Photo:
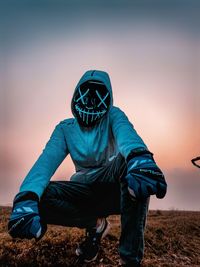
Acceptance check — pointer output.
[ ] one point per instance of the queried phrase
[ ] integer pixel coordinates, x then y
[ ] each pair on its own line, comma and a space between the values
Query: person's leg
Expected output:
133, 219
69, 204
133, 214
80, 204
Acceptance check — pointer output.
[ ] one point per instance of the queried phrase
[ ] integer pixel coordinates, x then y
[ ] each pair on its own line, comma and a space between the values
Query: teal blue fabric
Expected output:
53, 154
89, 147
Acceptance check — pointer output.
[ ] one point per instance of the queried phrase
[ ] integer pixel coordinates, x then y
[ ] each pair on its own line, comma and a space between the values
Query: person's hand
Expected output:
144, 177
24, 221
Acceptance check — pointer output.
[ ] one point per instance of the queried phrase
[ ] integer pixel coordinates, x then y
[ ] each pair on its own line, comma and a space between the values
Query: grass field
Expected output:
172, 238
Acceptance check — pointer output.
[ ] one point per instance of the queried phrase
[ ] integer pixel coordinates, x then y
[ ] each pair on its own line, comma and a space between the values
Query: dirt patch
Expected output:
172, 238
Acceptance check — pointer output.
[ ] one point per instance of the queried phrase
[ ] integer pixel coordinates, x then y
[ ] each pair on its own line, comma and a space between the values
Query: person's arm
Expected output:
144, 178
124, 133
52, 156
25, 221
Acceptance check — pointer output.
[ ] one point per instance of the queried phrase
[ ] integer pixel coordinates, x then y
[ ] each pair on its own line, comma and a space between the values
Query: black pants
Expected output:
88, 196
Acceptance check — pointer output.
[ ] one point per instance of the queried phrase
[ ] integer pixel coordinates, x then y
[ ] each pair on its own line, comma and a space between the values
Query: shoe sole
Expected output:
78, 253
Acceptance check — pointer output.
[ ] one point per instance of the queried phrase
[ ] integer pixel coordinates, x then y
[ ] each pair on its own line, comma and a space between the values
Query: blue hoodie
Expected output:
89, 147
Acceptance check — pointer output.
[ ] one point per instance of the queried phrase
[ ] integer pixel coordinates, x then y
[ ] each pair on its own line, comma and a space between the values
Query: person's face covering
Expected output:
91, 102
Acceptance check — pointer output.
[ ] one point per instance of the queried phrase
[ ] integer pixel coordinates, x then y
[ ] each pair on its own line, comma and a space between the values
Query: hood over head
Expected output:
92, 98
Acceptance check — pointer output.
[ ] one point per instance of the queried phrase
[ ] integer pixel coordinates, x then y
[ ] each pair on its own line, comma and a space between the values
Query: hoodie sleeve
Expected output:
124, 133
51, 157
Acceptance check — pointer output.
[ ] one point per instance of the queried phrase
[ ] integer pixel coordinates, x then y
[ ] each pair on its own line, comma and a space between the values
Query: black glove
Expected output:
24, 221
144, 177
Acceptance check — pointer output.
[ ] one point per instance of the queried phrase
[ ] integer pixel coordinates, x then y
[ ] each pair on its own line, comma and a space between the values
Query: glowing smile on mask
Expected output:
87, 113
91, 104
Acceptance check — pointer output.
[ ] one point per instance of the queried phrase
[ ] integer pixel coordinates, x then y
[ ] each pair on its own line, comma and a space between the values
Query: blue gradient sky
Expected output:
151, 51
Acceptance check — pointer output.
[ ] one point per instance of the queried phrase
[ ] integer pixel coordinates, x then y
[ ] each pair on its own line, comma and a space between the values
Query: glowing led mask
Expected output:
91, 102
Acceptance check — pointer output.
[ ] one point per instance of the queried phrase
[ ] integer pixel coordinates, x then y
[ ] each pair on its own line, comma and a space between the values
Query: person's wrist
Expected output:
138, 152
26, 195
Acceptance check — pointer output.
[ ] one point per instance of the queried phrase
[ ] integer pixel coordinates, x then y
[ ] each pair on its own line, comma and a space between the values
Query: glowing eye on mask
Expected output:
82, 95
102, 101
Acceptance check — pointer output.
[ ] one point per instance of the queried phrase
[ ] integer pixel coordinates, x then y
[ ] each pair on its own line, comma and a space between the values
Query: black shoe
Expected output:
89, 248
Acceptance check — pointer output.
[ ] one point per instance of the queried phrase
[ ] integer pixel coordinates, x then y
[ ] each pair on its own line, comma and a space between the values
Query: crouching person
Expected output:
115, 174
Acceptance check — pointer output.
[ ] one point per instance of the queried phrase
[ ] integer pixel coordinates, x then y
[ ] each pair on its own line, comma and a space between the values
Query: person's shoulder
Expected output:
114, 111
67, 122
117, 115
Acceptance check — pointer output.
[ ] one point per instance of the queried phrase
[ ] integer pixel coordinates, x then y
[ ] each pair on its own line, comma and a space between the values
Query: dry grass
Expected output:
172, 238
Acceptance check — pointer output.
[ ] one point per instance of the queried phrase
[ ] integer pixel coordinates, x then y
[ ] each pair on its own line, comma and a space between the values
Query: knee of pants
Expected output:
128, 205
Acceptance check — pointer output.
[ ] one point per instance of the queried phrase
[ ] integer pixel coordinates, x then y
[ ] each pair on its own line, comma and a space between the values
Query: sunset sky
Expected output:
152, 54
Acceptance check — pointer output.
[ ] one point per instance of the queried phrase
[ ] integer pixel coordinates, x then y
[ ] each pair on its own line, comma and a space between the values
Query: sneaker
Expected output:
89, 248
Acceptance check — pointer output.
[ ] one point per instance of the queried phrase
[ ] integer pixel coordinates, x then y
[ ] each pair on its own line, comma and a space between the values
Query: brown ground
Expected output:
172, 238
